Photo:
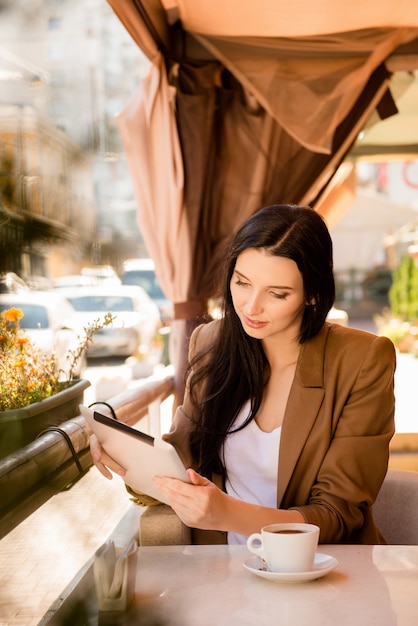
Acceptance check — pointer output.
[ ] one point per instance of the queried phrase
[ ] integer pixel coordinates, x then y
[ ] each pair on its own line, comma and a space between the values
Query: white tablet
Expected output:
142, 456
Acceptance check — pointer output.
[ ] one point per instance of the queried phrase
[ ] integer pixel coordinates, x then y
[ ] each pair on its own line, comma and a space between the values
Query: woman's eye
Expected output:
279, 296
240, 282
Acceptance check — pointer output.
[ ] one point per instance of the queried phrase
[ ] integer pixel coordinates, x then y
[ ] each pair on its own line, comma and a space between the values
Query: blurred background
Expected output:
66, 196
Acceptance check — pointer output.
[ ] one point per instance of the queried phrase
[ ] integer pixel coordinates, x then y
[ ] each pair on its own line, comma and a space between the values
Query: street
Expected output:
110, 376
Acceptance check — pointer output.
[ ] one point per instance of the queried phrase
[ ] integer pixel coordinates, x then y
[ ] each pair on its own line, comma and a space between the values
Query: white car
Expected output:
141, 272
12, 283
72, 280
101, 275
136, 324
48, 320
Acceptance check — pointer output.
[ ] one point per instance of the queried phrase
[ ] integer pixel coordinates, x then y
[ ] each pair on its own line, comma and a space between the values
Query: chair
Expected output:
160, 526
396, 507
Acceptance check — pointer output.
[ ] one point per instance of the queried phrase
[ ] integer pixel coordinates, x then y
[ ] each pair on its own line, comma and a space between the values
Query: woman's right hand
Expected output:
103, 461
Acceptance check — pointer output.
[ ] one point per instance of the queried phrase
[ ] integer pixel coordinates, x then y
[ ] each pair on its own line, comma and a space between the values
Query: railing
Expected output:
61, 456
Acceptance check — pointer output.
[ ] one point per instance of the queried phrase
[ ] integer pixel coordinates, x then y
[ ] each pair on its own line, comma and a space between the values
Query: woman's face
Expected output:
268, 295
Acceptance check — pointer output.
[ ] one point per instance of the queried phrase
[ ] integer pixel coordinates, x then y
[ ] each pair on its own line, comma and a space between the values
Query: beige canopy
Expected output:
248, 103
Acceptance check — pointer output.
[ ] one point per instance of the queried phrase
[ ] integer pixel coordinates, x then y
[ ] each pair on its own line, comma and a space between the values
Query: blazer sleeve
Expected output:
347, 451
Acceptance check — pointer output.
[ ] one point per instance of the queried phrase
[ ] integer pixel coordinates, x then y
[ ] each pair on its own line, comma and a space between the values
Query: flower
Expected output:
27, 374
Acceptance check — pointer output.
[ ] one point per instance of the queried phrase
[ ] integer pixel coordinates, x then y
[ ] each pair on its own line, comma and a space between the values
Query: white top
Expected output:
251, 458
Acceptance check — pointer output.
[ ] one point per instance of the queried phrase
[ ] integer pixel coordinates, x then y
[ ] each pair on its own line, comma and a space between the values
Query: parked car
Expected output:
72, 280
137, 318
101, 275
38, 283
49, 322
141, 272
12, 283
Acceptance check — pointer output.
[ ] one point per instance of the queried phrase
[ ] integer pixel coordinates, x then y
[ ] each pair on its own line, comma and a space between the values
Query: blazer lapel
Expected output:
305, 399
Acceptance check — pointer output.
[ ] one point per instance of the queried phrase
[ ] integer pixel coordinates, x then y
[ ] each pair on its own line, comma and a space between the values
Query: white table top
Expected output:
209, 586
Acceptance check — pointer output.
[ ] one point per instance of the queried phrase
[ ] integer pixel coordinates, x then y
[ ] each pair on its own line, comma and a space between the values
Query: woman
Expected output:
286, 417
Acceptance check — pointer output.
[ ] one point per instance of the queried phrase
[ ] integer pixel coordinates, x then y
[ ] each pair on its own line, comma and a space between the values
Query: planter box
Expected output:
19, 427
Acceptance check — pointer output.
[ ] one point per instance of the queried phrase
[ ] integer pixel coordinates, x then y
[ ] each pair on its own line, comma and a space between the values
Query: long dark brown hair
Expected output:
235, 368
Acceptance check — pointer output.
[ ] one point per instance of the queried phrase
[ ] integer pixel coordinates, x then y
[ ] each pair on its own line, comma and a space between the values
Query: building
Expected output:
69, 65
45, 194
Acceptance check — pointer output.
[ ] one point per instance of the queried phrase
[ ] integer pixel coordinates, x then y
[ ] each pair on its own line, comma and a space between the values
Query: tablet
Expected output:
142, 456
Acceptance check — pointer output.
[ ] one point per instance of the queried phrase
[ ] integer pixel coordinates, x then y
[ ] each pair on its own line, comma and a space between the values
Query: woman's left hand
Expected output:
199, 504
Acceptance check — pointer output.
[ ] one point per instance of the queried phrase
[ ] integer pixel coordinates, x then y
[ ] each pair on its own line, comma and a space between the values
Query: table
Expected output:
208, 586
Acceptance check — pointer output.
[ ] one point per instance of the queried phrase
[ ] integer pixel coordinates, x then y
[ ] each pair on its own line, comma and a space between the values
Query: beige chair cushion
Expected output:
396, 507
160, 526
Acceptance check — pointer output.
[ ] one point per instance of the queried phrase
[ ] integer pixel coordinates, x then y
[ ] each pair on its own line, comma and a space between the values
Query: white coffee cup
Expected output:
286, 547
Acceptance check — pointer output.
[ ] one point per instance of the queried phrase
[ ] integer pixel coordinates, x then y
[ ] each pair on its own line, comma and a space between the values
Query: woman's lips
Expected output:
254, 323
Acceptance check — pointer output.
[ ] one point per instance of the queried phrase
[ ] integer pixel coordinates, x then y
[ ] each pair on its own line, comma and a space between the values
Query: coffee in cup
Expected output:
286, 547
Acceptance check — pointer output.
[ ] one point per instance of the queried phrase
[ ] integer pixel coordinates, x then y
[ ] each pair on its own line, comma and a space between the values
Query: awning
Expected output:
248, 103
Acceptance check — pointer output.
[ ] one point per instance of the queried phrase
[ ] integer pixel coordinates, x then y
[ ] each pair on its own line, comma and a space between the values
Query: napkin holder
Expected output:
114, 575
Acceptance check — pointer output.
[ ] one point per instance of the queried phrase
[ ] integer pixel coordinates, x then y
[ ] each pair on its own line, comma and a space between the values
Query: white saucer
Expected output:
323, 565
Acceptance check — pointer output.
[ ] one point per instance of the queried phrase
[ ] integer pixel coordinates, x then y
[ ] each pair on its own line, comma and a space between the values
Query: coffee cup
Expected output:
286, 547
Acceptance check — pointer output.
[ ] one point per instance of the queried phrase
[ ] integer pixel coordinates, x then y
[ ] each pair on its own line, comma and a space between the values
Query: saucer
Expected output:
323, 565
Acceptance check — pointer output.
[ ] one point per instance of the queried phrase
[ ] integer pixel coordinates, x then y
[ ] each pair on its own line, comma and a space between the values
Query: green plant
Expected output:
28, 375
403, 293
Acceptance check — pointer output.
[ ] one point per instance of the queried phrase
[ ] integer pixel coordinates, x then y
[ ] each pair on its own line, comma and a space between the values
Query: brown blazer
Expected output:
334, 446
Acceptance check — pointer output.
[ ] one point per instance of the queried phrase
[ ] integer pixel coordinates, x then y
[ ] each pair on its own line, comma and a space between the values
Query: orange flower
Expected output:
26, 373
20, 341
12, 315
